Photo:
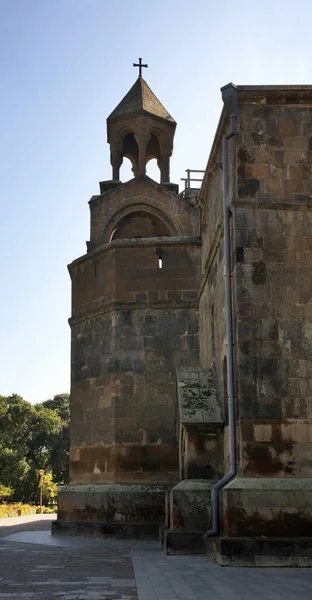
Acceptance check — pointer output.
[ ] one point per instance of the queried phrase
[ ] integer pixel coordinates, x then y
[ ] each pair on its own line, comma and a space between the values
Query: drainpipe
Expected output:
229, 97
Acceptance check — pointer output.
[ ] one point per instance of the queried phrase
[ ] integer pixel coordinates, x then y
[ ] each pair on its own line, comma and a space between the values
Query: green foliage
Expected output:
59, 454
18, 509
60, 404
5, 492
49, 489
33, 437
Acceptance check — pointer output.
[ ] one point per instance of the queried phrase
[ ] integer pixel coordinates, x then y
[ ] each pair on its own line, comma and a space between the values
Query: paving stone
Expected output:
84, 569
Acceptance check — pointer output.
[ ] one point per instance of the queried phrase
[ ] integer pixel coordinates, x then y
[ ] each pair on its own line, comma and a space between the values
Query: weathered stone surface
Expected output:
189, 516
133, 324
271, 228
184, 542
197, 395
268, 506
134, 320
261, 552
190, 505
115, 509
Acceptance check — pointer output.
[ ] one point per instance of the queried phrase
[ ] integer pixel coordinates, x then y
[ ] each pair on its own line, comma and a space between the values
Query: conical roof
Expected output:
140, 98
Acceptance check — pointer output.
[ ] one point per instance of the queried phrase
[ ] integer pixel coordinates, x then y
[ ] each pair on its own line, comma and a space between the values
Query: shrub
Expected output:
5, 492
17, 508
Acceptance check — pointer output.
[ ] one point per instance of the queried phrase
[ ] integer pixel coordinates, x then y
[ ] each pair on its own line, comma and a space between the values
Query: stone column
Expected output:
142, 138
164, 167
135, 168
116, 162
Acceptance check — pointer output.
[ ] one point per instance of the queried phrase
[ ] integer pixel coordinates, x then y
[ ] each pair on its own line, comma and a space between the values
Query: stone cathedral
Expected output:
191, 338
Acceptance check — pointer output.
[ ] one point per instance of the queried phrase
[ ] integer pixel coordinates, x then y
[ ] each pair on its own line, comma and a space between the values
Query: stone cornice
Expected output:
143, 180
93, 313
214, 155
275, 94
136, 243
268, 201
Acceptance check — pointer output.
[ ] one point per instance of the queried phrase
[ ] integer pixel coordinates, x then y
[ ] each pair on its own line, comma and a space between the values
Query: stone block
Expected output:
259, 171
285, 127
267, 506
111, 508
296, 142
105, 530
184, 542
260, 552
198, 402
190, 505
276, 186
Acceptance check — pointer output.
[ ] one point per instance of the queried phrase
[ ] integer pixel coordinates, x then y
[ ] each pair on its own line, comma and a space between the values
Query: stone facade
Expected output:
134, 321
270, 203
149, 424
132, 324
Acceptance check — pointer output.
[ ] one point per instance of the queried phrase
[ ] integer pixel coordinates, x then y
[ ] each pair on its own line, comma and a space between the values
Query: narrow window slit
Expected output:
160, 262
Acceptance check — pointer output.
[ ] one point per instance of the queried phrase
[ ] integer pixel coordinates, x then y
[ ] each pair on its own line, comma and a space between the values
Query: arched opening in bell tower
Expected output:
139, 224
126, 170
153, 148
130, 150
152, 170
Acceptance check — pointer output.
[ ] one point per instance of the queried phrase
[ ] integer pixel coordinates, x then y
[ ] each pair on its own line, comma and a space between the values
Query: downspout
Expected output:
229, 97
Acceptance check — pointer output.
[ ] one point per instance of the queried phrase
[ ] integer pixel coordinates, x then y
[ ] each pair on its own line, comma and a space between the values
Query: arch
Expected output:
152, 169
140, 144
158, 220
140, 224
122, 133
130, 150
164, 140
126, 170
153, 148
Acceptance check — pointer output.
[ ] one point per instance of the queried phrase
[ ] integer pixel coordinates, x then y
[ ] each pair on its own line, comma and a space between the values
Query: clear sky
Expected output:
64, 66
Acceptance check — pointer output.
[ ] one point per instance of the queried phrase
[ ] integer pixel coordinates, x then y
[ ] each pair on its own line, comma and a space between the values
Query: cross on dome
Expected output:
140, 65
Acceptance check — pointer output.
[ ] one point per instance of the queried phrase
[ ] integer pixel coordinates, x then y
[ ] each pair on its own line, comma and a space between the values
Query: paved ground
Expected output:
34, 565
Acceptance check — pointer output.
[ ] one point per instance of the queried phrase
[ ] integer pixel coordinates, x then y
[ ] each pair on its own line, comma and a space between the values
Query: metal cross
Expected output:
140, 66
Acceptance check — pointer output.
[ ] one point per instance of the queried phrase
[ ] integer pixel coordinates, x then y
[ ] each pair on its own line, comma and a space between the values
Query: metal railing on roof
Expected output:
188, 179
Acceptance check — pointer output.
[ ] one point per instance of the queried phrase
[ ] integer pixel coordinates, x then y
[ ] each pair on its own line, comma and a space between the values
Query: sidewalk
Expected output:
13, 521
36, 566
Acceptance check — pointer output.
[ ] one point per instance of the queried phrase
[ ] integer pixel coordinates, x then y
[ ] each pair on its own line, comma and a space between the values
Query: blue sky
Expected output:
64, 66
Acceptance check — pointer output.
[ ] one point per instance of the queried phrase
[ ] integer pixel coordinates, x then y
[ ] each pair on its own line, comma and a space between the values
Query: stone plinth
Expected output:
189, 517
261, 551
123, 510
266, 522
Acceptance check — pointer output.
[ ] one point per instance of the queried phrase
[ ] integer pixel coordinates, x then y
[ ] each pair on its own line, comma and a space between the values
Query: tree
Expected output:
49, 489
15, 427
33, 438
59, 462
60, 404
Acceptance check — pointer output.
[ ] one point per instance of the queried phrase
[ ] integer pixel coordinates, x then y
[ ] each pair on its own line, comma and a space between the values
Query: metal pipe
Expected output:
229, 96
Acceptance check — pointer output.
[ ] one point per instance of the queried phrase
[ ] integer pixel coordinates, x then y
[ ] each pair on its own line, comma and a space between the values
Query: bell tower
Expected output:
140, 128
134, 321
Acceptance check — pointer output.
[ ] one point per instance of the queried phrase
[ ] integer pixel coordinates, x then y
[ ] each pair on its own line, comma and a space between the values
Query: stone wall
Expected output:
270, 162
132, 324
211, 302
108, 209
212, 292
273, 287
